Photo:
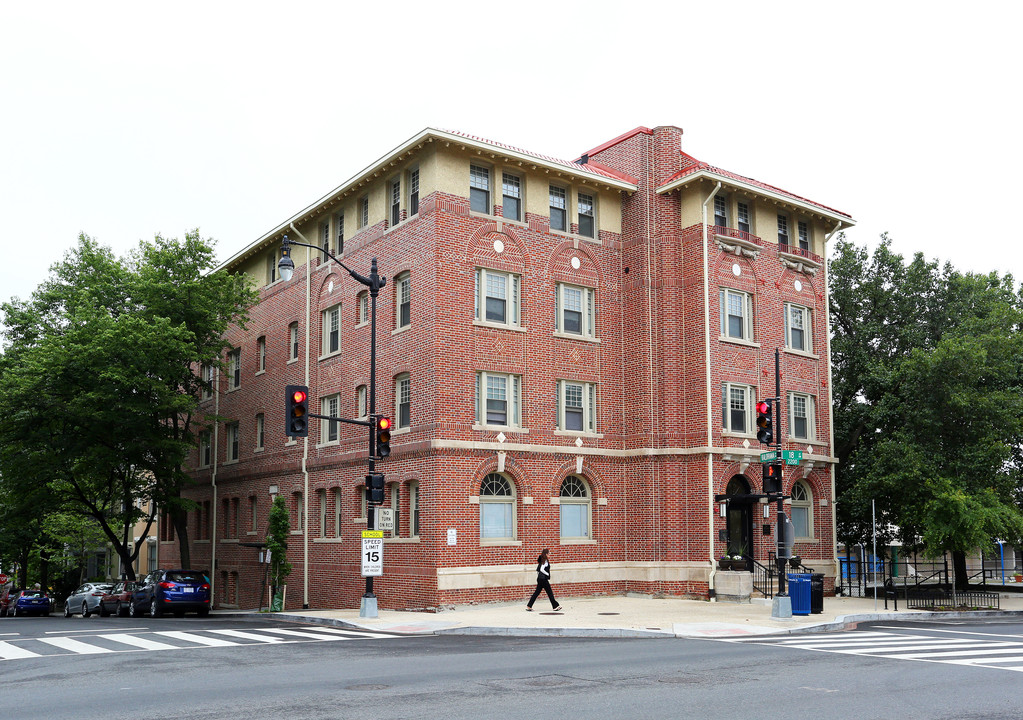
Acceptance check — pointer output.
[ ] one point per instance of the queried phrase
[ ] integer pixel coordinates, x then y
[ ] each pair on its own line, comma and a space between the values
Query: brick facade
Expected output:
651, 378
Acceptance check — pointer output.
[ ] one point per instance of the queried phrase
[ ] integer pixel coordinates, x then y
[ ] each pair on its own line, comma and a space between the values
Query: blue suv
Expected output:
171, 591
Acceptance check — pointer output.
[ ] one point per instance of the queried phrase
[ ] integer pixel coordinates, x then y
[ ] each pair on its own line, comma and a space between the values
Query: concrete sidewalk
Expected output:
635, 616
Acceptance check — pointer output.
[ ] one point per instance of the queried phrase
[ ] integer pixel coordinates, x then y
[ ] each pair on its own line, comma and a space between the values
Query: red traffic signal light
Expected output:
383, 437
765, 423
296, 410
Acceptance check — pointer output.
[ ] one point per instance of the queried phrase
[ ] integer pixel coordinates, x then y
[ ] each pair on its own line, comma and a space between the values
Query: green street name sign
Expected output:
768, 456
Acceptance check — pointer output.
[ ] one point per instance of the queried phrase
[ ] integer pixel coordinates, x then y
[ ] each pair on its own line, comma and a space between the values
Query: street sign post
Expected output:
372, 553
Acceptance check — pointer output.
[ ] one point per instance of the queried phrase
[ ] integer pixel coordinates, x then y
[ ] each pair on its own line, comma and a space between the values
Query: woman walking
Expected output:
543, 582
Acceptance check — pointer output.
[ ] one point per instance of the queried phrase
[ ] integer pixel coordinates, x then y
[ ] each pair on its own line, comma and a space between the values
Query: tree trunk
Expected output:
44, 569
180, 520
962, 580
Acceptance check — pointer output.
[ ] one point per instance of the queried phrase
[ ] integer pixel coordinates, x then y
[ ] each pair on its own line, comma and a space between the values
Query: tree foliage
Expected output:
100, 387
277, 541
928, 374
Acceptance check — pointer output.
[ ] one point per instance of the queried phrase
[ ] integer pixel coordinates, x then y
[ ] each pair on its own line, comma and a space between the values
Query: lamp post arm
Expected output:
374, 282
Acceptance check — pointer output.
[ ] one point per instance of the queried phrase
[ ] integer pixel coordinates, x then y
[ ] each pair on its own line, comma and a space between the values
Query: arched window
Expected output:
802, 510
497, 508
575, 508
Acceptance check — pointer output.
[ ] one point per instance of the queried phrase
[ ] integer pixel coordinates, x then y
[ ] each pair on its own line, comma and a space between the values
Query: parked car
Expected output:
85, 600
173, 591
6, 596
29, 602
116, 600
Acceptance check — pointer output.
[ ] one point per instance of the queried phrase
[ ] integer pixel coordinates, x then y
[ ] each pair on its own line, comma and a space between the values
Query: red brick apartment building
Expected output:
571, 352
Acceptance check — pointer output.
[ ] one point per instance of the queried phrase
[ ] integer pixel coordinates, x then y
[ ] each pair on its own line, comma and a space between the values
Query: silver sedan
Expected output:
85, 600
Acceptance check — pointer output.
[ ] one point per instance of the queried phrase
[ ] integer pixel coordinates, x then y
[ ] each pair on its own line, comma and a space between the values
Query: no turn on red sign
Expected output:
3, 579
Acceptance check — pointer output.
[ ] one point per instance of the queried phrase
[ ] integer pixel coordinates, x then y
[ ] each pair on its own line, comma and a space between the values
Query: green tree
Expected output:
100, 379
277, 543
928, 404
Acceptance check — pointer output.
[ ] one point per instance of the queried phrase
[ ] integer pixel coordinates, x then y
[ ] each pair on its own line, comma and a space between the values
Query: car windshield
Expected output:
186, 576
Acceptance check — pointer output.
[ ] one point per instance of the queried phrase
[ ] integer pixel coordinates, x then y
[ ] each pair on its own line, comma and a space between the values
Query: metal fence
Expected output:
860, 572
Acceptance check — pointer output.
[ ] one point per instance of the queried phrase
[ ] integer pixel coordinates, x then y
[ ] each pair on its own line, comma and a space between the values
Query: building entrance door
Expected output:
740, 517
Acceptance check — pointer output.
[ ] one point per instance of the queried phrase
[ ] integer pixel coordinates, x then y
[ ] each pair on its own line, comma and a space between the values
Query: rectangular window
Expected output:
231, 432
587, 224
339, 247
403, 402
497, 297
413, 506
736, 314
271, 268
363, 312
720, 211
403, 298
577, 406
497, 399
260, 429
261, 353
205, 449
234, 368
332, 330
497, 520
737, 408
363, 212
801, 416
783, 230
293, 341
511, 202
797, 328
744, 217
479, 189
362, 400
207, 373
321, 500
299, 507
329, 405
804, 235
559, 214
395, 202
325, 240
337, 512
413, 192
575, 312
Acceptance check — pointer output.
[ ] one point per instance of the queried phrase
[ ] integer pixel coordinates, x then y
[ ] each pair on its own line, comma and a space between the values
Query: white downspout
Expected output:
216, 499
710, 412
305, 440
831, 399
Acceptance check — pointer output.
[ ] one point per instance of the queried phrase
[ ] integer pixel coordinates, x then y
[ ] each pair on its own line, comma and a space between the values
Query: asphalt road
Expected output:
252, 667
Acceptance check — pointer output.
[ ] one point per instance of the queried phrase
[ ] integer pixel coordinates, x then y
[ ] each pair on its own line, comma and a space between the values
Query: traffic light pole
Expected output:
780, 538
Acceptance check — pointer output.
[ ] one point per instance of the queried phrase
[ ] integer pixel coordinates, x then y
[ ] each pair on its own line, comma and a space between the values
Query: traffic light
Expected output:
772, 479
375, 483
383, 437
296, 413
765, 423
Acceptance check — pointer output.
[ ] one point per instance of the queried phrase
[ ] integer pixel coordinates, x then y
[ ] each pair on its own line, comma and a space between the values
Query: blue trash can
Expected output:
799, 592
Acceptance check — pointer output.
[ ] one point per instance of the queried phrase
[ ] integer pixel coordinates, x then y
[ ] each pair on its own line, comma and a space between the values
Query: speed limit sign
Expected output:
372, 553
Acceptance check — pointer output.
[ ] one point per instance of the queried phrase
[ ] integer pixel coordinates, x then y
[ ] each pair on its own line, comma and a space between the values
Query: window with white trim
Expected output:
231, 441
205, 449
801, 510
744, 217
403, 401
804, 235
293, 341
783, 230
330, 405
339, 242
577, 406
797, 328
234, 368
337, 512
208, 373
362, 303
498, 399
574, 509
260, 430
271, 267
497, 508
395, 201
261, 353
298, 512
721, 210
497, 297
736, 314
413, 191
403, 300
363, 212
362, 401
558, 208
587, 210
332, 329
511, 200
413, 508
325, 240
801, 412
575, 310
321, 502
737, 402
479, 189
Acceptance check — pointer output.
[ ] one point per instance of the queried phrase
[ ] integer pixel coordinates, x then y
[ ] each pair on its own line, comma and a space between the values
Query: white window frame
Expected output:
792, 311
325, 240
802, 501
804, 235
331, 328
745, 300
511, 187
234, 369
744, 216
412, 183
784, 238
362, 401
205, 449
339, 241
208, 373
364, 212
479, 187
734, 391
293, 349
588, 311
403, 300
261, 354
402, 399
801, 406
721, 210
506, 502
511, 286
581, 395
232, 437
557, 199
338, 495
330, 430
592, 214
572, 501
362, 313
260, 430
394, 201
512, 390
413, 509
321, 499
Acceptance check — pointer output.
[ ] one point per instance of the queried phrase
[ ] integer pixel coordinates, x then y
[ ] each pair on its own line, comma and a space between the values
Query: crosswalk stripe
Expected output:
139, 642
953, 653
10, 652
198, 639
880, 643
248, 636
355, 633
303, 633
75, 646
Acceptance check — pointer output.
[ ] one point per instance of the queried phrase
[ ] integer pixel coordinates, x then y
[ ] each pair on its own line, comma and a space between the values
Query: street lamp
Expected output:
374, 282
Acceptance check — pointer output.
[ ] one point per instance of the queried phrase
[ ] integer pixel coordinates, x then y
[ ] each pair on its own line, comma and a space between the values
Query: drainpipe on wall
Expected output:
710, 413
831, 399
213, 508
305, 440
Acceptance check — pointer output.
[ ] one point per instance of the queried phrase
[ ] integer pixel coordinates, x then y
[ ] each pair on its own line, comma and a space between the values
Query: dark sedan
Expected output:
29, 602
171, 591
117, 599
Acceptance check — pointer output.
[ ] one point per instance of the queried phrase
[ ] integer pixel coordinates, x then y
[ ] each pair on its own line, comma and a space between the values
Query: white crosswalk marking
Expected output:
303, 633
75, 646
904, 646
248, 636
197, 639
139, 642
10, 652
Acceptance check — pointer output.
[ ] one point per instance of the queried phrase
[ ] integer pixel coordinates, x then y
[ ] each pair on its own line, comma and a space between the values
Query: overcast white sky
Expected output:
127, 119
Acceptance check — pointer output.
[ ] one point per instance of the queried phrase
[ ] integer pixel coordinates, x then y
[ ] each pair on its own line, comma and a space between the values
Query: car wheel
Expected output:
85, 609
132, 612
102, 610
154, 608
15, 611
121, 610
67, 610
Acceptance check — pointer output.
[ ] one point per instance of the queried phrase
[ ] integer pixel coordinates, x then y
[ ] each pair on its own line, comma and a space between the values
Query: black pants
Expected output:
545, 585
